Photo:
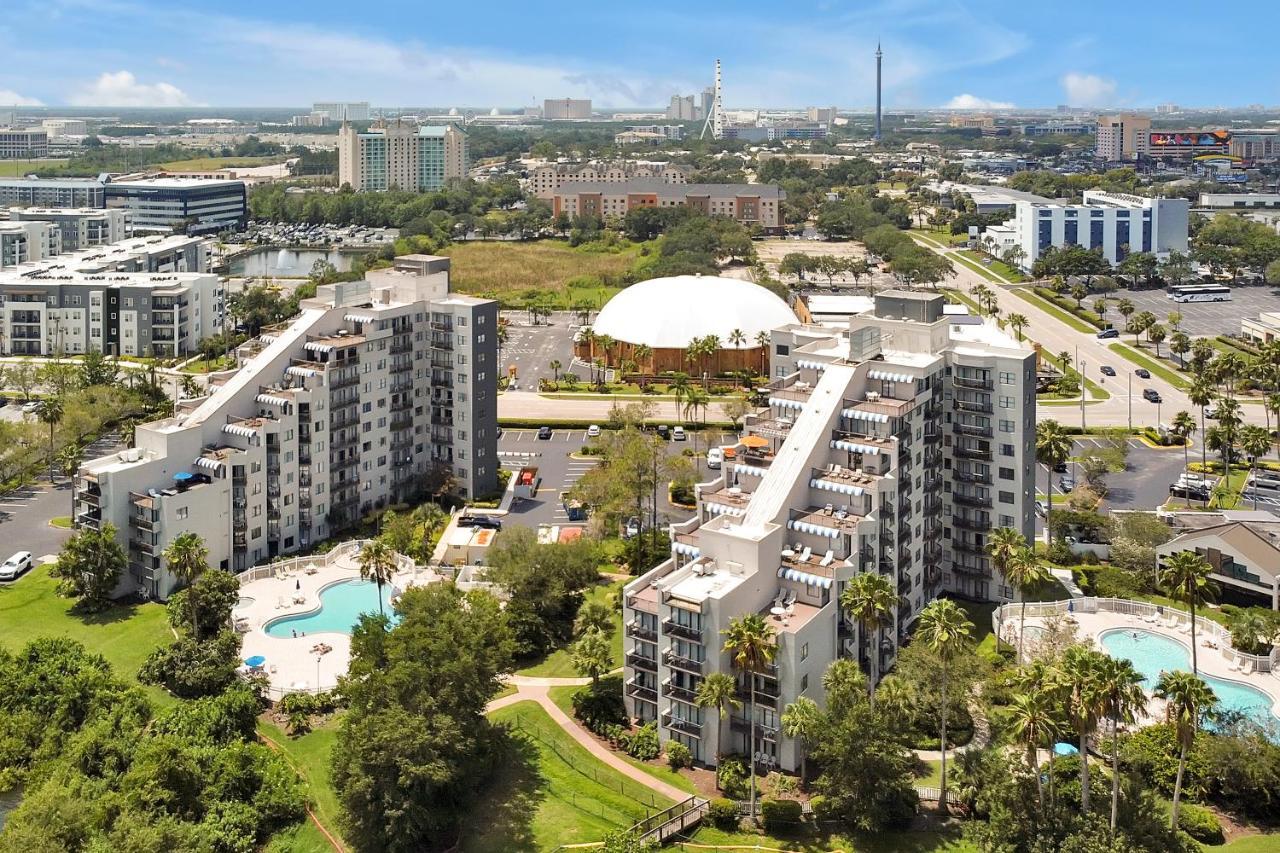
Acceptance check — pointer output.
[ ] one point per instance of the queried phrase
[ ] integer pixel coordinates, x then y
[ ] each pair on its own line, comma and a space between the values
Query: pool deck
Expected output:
292, 664
1210, 660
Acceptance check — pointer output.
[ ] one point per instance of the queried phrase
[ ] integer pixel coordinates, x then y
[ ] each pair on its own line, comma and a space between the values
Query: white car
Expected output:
593, 431
715, 458
31, 408
677, 434
15, 566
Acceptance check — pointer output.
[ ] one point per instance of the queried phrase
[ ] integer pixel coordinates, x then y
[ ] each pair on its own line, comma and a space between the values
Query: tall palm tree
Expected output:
945, 630
1201, 394
1188, 697
679, 386
1080, 670
1053, 447
377, 563
1184, 426
718, 690
696, 402
50, 412
1040, 676
1120, 687
803, 721
594, 614
1003, 543
751, 643
762, 341
871, 599
1018, 322
1024, 572
737, 338
186, 559
1186, 577
1034, 723
555, 366
1255, 441
643, 353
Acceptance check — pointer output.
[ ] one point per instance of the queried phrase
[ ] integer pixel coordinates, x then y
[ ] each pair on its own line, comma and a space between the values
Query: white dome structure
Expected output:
667, 313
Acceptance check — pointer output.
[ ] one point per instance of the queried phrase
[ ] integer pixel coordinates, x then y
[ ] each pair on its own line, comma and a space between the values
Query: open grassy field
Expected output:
1157, 367
309, 754
811, 842
1049, 308
208, 164
551, 791
18, 168
124, 635
1000, 268
557, 664
513, 272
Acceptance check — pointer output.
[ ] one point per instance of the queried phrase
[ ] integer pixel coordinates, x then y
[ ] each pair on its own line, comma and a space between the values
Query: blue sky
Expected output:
632, 54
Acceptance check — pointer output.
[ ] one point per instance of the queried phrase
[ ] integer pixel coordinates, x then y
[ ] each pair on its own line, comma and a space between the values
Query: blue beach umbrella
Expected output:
256, 660
1061, 748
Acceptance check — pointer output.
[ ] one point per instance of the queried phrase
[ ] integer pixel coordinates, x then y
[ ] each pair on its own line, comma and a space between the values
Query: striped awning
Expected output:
838, 488
266, 338
786, 403
236, 429
806, 578
316, 346
859, 414
721, 509
888, 376
686, 550
805, 363
301, 371
359, 318
853, 446
815, 529
273, 400
750, 470
208, 464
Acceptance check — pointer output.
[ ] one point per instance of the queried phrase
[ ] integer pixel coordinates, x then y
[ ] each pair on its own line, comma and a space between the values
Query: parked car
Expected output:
1189, 490
1041, 509
1151, 395
1066, 484
1142, 372
1060, 468
664, 431
593, 431
544, 433
631, 529
677, 434
715, 458
31, 408
1108, 370
492, 522
15, 566
1108, 333
1211, 413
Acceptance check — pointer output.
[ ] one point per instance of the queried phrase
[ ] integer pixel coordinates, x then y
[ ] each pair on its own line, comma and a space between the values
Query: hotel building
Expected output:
401, 155
545, 180
186, 205
1118, 224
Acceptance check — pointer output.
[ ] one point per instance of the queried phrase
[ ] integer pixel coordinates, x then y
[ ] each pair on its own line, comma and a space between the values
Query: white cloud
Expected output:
973, 102
1088, 90
122, 89
10, 98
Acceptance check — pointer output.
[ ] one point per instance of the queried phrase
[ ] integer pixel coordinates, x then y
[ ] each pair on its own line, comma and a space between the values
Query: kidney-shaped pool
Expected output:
341, 606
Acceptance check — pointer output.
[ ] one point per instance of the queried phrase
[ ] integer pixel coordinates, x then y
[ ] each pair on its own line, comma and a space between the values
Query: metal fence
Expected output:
289, 565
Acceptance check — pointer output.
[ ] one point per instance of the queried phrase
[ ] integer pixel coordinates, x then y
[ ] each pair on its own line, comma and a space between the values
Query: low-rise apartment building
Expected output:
377, 391
895, 447
1242, 547
81, 228
52, 192
545, 180
28, 242
750, 204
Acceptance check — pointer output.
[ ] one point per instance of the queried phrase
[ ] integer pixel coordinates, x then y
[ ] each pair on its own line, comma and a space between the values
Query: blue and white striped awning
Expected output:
686, 550
786, 403
889, 376
750, 470
853, 446
236, 429
806, 364
265, 338
838, 488
359, 318
208, 464
863, 415
804, 577
273, 400
295, 370
815, 529
316, 346
721, 509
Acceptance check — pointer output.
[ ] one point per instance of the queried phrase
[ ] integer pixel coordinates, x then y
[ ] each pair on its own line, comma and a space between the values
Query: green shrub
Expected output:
1200, 823
821, 808
731, 777
678, 755
644, 743
598, 709
780, 815
723, 814
1152, 753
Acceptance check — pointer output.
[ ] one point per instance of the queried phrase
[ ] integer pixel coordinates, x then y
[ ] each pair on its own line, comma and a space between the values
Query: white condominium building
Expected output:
28, 242
896, 448
82, 228
378, 390
1118, 224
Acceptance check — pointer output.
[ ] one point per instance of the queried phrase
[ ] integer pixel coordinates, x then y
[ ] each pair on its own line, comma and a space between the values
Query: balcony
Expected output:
973, 429
672, 659
640, 691
741, 724
675, 691
972, 382
684, 632
971, 571
640, 632
969, 451
966, 522
974, 406
968, 546
965, 499
638, 662
683, 726
972, 477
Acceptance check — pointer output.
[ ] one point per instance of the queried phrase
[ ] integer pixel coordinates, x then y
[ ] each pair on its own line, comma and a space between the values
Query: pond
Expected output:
287, 263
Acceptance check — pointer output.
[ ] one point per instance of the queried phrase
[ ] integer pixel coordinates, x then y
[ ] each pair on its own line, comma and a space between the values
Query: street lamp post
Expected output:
1129, 396
317, 673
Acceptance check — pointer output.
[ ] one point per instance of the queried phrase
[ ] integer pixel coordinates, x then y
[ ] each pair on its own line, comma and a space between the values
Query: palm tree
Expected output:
751, 643
1080, 670
762, 341
50, 412
1188, 697
377, 563
737, 338
185, 559
1184, 426
643, 353
1201, 394
606, 343
595, 615
1255, 441
69, 464
1126, 308
1034, 724
1053, 447
1024, 572
1186, 577
591, 655
1123, 699
1002, 544
679, 387
945, 630
803, 721
871, 599
1018, 322
718, 690
555, 366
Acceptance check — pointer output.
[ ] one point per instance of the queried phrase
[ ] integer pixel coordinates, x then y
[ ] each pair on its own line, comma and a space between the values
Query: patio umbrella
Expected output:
755, 441
1061, 748
256, 660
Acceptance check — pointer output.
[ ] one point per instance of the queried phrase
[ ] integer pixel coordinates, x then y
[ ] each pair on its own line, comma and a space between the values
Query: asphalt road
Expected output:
531, 349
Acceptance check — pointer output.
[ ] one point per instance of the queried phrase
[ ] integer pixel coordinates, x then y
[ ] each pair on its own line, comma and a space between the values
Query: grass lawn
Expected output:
972, 260
1158, 368
18, 168
512, 272
995, 265
980, 615
933, 778
63, 522
550, 791
812, 842
1049, 308
1096, 391
1251, 844
557, 664
964, 299
942, 238
309, 754
225, 362
209, 164
300, 838
124, 635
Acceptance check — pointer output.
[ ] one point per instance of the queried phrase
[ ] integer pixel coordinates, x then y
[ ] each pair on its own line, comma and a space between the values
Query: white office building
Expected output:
893, 447
1116, 223
374, 388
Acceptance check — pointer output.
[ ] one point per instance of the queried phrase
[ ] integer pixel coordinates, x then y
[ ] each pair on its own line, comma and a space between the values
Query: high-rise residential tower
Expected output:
401, 155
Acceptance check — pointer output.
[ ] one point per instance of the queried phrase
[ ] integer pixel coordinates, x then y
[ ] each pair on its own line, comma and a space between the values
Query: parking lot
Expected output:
1200, 318
531, 349
1144, 483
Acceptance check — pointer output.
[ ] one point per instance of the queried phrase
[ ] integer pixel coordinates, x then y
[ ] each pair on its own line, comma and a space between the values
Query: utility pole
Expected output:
1129, 395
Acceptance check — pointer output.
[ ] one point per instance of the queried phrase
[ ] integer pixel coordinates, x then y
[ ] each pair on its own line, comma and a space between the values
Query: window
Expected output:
1007, 378
804, 682
183, 512
1006, 521
804, 651
1006, 402
783, 349
1006, 426
1006, 473
1006, 450
1006, 497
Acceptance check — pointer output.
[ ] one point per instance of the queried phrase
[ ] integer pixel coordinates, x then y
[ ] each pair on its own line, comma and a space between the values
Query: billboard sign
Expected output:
1189, 139
1232, 179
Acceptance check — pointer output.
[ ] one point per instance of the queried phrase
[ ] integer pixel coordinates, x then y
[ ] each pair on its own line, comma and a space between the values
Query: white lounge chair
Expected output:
827, 558
1234, 666
1171, 622
806, 554
1248, 668
791, 598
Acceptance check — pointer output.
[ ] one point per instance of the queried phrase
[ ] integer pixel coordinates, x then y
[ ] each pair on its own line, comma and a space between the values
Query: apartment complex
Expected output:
340, 111
27, 242
187, 205
545, 180
895, 447
401, 155
23, 143
79, 227
750, 204
562, 109
691, 107
377, 390
1120, 136
1117, 223
53, 192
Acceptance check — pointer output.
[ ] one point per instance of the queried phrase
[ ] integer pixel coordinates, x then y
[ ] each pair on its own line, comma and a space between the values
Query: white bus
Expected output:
1200, 293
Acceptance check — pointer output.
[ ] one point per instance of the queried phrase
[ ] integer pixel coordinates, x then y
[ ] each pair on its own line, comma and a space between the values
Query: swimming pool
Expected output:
1152, 654
341, 606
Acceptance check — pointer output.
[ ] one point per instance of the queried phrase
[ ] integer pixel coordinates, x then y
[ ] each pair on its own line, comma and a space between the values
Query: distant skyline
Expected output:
965, 55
